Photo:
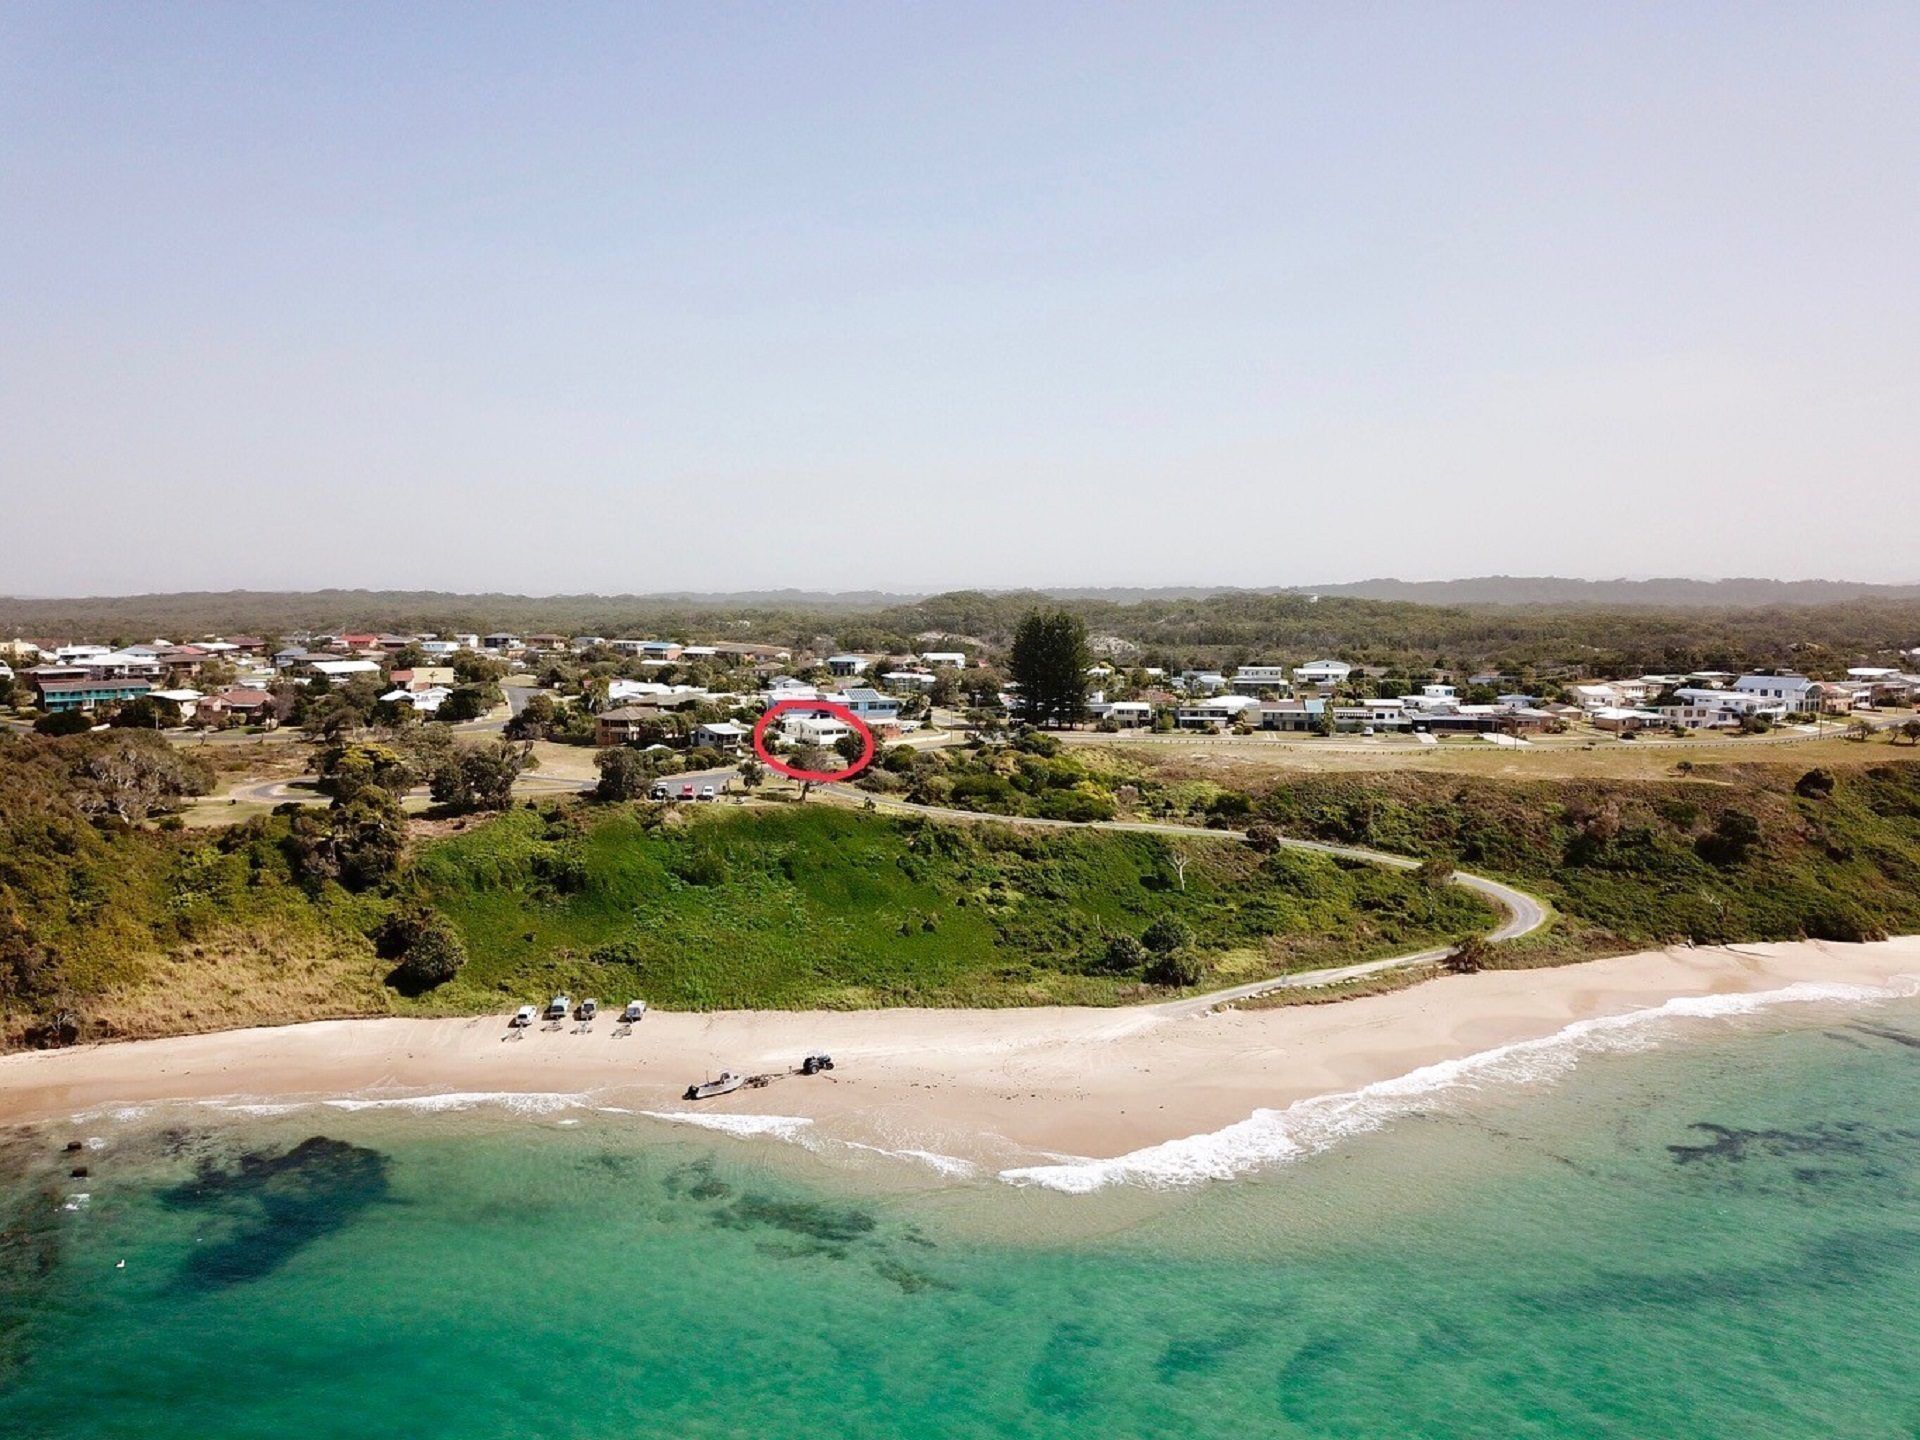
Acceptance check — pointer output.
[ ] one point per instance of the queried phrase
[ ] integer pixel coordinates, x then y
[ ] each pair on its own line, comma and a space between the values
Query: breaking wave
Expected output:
1270, 1137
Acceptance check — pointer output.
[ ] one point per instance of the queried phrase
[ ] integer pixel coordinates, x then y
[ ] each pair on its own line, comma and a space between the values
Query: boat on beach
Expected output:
707, 1089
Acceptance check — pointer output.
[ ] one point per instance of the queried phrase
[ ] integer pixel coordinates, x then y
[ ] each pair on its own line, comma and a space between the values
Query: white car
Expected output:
523, 1016
707, 792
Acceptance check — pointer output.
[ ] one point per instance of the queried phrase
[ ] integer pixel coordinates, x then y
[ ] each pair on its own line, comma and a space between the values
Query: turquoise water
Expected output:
1718, 1236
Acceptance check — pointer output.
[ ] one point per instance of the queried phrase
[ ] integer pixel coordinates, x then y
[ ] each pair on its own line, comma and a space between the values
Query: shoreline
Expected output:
1074, 1086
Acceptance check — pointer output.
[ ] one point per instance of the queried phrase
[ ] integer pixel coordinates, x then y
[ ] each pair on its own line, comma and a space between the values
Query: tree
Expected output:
468, 702
536, 720
144, 713
129, 775
1468, 957
753, 774
1860, 731
1910, 732
62, 722
478, 778
349, 767
1049, 663
624, 774
850, 748
358, 841
424, 941
811, 757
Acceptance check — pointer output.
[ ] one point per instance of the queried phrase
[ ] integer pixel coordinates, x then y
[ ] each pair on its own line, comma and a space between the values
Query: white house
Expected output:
1701, 708
1322, 672
1128, 714
870, 705
1252, 679
1216, 712
822, 730
341, 669
954, 658
909, 679
845, 665
1799, 694
1202, 682
720, 735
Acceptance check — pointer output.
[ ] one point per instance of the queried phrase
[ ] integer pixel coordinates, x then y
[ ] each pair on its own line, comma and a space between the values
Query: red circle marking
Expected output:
794, 772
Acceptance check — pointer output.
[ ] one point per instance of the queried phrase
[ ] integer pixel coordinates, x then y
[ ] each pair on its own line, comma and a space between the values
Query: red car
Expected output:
686, 792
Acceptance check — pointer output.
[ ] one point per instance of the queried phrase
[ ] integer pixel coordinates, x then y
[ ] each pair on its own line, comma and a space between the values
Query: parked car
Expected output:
589, 1008
707, 792
523, 1016
659, 791
635, 1010
686, 792
558, 1007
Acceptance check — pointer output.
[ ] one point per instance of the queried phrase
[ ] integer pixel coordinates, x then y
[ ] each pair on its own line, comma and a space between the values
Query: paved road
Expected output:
1525, 913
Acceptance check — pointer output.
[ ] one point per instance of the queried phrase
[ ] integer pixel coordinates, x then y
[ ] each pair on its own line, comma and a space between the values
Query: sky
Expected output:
623, 298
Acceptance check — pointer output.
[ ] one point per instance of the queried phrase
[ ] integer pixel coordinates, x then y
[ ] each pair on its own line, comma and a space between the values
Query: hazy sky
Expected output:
570, 297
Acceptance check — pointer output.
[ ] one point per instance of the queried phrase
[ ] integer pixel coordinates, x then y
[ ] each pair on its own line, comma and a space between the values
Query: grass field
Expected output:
791, 906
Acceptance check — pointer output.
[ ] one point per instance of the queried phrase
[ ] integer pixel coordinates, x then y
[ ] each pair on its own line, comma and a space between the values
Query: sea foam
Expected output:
514, 1101
1270, 1137
777, 1127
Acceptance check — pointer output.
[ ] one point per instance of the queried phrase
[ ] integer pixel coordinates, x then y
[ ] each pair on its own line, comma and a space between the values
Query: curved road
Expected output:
1525, 913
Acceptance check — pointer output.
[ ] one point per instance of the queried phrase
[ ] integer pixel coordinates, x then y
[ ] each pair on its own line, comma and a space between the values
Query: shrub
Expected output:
62, 722
1176, 968
1814, 785
1469, 957
1167, 935
1124, 954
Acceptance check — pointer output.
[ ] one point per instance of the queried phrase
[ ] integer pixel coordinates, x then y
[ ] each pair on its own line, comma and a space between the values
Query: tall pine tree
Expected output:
1049, 662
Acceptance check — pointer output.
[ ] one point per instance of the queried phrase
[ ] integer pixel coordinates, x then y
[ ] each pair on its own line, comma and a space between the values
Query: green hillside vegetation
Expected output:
813, 906
112, 925
1733, 852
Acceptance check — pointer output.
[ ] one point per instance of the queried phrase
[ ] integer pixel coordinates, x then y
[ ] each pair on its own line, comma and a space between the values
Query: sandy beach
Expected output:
1076, 1082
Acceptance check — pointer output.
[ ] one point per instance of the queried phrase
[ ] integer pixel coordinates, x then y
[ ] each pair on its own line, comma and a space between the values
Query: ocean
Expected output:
1703, 1222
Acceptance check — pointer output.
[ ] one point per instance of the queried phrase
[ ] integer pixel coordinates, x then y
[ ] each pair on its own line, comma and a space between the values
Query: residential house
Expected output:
951, 659
1127, 714
338, 669
822, 730
1216, 712
870, 705
1323, 673
184, 702
843, 666
909, 679
1622, 720
627, 724
1701, 708
721, 735
1258, 679
425, 677
1796, 692
84, 694
241, 701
